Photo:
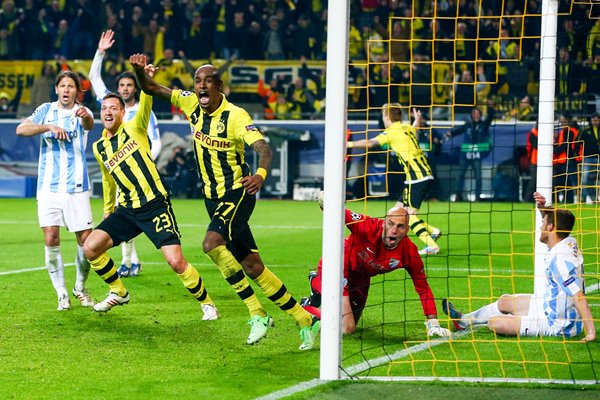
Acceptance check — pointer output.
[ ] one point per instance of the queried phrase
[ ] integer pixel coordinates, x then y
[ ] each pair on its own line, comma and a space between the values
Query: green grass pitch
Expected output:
158, 347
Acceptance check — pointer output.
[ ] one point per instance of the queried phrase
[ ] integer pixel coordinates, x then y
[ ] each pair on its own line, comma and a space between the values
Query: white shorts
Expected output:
536, 322
71, 210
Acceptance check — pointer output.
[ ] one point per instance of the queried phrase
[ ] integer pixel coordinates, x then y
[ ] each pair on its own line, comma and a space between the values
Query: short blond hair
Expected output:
393, 111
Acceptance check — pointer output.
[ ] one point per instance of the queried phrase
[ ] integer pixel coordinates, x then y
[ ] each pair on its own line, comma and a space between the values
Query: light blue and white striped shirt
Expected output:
564, 279
62, 164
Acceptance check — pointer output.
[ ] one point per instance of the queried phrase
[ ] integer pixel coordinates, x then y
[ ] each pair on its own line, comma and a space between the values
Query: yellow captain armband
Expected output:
262, 172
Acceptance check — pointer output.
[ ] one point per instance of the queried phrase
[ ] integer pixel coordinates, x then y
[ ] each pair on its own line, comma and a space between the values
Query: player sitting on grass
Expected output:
562, 310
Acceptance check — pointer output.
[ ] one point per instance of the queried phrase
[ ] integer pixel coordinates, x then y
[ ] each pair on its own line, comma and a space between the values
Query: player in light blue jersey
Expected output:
562, 310
128, 89
63, 189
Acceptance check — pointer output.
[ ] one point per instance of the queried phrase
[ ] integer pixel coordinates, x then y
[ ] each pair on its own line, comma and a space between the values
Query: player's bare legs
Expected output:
191, 279
515, 304
513, 307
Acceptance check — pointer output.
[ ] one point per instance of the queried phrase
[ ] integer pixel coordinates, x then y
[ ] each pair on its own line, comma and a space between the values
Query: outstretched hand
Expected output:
106, 41
150, 70
434, 329
416, 113
138, 61
540, 200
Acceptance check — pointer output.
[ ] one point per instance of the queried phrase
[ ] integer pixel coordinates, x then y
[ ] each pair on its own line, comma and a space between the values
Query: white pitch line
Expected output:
591, 288
358, 368
187, 225
588, 289
366, 365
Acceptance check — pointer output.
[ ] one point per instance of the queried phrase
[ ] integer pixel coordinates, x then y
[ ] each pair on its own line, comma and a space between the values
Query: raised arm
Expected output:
417, 117
363, 143
148, 84
540, 200
105, 43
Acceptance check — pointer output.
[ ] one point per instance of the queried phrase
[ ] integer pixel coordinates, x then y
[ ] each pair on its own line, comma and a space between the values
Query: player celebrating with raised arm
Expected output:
63, 189
123, 153
128, 89
375, 247
402, 139
220, 131
562, 310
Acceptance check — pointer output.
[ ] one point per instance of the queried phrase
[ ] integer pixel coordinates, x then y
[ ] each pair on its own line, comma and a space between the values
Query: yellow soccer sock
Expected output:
105, 268
419, 227
193, 282
430, 228
234, 275
276, 291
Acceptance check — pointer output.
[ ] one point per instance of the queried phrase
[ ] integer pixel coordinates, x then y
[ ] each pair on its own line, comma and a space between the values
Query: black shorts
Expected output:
229, 217
155, 219
414, 193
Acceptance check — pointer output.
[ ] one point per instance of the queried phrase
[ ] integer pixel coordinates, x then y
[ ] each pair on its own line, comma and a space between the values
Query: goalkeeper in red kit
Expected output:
376, 246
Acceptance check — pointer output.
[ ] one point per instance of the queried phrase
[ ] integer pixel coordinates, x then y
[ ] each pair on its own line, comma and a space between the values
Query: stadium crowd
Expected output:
498, 56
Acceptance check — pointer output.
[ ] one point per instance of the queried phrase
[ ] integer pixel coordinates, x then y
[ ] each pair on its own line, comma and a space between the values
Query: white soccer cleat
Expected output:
110, 301
425, 251
64, 303
210, 312
84, 297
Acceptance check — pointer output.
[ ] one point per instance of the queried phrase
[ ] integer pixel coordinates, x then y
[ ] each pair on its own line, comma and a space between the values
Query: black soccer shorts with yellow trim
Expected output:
414, 193
155, 219
229, 218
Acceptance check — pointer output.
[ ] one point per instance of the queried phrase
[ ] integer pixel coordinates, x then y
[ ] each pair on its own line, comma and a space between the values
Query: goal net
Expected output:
452, 60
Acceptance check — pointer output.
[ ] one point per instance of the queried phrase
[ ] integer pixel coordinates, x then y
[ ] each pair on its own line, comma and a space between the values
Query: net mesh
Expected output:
445, 61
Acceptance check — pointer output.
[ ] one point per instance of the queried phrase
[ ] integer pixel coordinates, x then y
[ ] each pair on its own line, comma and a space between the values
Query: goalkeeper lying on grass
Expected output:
376, 246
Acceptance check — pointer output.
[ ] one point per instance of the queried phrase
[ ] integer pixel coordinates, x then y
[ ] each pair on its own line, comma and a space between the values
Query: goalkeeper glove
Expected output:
434, 328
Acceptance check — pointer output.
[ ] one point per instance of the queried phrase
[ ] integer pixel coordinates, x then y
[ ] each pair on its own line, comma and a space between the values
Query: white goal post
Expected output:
334, 189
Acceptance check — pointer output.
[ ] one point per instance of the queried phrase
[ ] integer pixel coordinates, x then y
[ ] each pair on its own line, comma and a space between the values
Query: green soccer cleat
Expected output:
309, 334
258, 328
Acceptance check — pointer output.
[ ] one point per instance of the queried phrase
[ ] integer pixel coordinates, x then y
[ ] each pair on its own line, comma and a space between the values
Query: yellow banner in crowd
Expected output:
13, 74
242, 76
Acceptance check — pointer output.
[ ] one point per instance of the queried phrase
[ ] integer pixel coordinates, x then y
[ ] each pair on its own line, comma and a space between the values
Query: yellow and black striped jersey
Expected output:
218, 142
125, 161
402, 138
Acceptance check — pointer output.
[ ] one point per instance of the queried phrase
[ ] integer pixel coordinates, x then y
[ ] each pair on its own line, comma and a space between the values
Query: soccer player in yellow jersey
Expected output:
126, 162
402, 139
220, 131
